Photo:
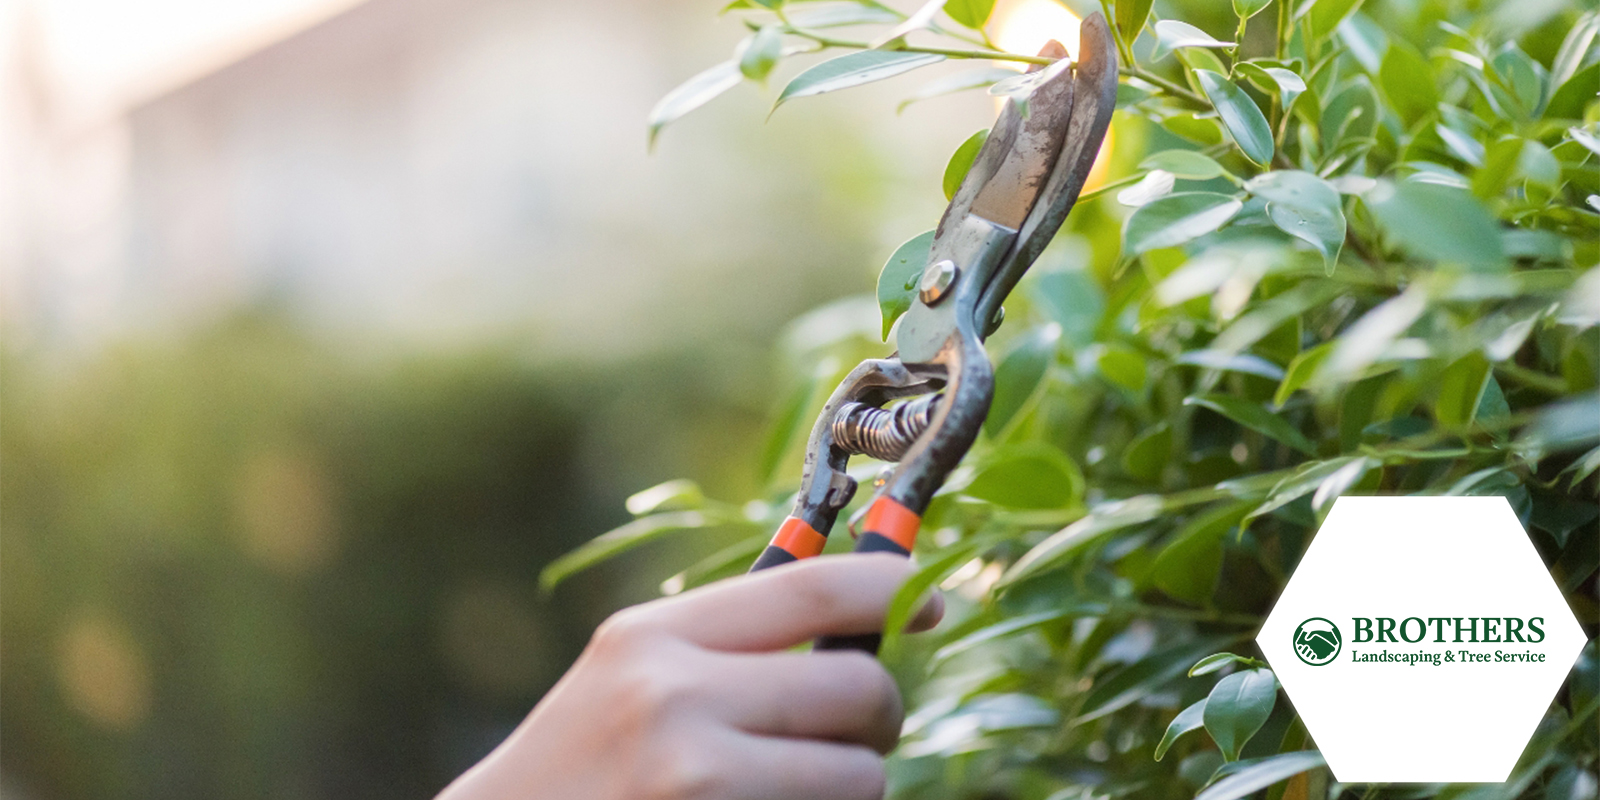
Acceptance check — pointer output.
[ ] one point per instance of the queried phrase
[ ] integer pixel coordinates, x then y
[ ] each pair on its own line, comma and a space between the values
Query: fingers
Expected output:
841, 696
799, 769
778, 608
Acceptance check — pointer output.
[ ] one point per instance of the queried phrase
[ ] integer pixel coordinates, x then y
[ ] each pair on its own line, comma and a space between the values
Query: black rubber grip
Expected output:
865, 642
772, 557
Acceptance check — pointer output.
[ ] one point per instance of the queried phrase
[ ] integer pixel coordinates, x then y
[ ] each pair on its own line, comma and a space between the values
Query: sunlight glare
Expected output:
1024, 26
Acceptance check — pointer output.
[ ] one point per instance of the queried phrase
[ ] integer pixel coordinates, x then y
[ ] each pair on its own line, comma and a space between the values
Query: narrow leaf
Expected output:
1174, 35
1187, 720
1240, 115
973, 14
961, 162
1255, 417
853, 69
1157, 183
1175, 219
1028, 475
1186, 164
1249, 8
759, 52
674, 495
958, 82
615, 542
1325, 15
1216, 661
692, 94
1131, 16
1250, 777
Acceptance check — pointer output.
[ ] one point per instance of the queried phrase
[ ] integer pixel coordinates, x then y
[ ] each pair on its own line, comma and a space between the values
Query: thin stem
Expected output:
1165, 85
992, 55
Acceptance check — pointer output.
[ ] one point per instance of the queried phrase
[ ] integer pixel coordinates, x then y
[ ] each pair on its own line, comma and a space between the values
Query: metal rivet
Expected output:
937, 280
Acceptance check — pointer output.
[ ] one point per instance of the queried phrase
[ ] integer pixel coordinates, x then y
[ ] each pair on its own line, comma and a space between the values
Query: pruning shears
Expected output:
1021, 185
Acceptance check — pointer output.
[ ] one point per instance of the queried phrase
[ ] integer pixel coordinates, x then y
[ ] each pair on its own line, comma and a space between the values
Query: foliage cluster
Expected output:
1351, 250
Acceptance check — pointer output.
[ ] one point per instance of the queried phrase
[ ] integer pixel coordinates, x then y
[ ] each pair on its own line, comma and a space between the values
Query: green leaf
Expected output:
1461, 389
1300, 371
759, 52
1175, 219
913, 593
1574, 49
1187, 720
620, 540
1231, 362
1305, 207
1240, 115
1569, 101
958, 82
1126, 686
1131, 16
790, 423
674, 495
853, 69
1565, 425
1247, 778
1157, 183
1325, 15
1247, 9
1028, 475
692, 94
1123, 367
1237, 707
992, 632
1186, 164
973, 14
1019, 375
1147, 455
1285, 83
725, 563
1439, 223
1255, 417
1309, 477
1188, 566
961, 162
1174, 35
1216, 661
1062, 545
897, 281
1407, 80
839, 16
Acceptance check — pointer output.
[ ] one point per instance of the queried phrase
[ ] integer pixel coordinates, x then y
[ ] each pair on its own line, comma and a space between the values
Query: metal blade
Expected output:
1010, 193
1094, 98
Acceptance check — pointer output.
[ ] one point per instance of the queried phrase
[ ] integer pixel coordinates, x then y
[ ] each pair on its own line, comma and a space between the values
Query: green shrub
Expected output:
1361, 261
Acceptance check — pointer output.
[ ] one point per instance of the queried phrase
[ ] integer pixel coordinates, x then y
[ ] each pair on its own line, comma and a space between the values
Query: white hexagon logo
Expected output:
1421, 639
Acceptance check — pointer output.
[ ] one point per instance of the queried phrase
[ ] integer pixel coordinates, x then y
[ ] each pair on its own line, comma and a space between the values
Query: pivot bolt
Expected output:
937, 280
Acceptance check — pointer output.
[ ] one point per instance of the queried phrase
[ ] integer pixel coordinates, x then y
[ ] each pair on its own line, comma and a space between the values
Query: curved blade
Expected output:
1018, 155
1094, 98
1009, 195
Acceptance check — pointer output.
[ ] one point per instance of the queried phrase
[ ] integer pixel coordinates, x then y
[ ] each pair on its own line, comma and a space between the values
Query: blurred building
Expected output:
447, 171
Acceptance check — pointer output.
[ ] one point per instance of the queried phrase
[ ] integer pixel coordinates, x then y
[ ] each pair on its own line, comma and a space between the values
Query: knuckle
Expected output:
621, 634
684, 771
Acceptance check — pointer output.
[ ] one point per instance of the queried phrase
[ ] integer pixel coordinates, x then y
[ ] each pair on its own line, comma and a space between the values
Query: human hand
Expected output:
695, 697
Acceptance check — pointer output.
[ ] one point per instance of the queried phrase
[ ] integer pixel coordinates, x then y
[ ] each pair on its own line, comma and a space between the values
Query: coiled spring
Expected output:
882, 433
